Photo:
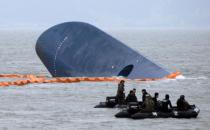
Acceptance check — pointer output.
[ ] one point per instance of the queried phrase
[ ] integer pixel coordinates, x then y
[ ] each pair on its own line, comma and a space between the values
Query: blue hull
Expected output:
76, 49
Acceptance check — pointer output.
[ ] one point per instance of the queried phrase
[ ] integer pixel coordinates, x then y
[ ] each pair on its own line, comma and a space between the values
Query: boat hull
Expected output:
76, 49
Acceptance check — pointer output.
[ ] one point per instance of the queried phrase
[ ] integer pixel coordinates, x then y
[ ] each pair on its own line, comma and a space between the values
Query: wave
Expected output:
181, 77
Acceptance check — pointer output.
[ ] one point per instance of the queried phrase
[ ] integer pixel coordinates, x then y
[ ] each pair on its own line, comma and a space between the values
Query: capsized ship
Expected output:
77, 49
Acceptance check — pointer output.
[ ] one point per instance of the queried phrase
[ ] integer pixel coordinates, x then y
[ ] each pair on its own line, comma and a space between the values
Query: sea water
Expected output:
70, 106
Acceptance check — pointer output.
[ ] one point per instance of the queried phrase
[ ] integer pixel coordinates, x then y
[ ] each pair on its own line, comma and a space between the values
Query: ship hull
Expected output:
76, 49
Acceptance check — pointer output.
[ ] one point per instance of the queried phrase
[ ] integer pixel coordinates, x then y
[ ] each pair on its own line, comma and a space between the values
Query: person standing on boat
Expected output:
120, 97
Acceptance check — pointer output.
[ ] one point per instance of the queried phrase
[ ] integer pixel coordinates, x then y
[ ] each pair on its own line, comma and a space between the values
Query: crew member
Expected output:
144, 93
166, 104
131, 97
120, 97
156, 102
182, 104
148, 104
134, 90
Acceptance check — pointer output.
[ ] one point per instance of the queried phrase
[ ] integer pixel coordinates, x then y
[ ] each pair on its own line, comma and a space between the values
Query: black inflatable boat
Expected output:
110, 103
133, 111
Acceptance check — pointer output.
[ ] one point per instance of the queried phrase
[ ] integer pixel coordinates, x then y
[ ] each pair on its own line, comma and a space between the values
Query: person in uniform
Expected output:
166, 104
182, 104
131, 97
120, 97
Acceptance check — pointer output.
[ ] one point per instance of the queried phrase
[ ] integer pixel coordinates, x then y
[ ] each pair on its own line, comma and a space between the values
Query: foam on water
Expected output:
180, 77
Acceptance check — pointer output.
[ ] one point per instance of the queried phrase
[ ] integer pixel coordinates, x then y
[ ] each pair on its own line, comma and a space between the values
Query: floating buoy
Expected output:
173, 75
26, 79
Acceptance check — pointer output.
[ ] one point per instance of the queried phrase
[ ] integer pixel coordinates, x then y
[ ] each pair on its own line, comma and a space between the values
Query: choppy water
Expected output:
70, 106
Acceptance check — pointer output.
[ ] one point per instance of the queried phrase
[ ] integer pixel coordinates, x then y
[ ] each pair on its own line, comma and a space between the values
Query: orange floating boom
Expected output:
42, 79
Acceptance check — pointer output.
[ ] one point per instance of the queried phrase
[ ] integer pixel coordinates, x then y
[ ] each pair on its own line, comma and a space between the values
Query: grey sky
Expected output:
107, 13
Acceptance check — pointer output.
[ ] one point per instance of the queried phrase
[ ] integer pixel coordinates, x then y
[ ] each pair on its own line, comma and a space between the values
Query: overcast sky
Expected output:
107, 13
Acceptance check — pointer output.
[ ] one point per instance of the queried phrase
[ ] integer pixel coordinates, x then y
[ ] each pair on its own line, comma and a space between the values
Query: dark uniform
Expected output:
120, 97
157, 103
182, 104
148, 105
165, 103
144, 96
131, 97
